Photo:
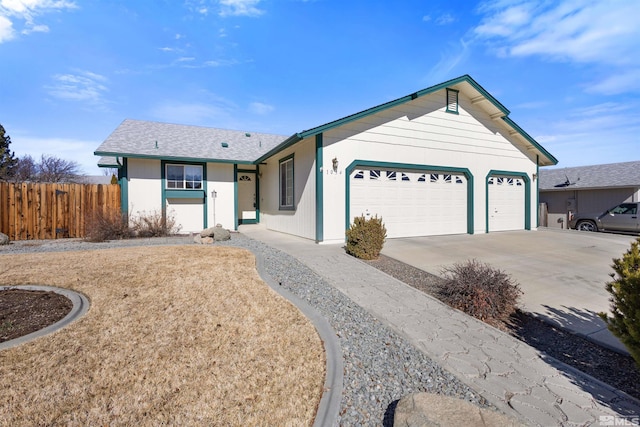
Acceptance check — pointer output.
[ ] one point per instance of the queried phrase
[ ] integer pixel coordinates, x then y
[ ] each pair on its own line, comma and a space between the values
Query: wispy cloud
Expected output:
193, 113
13, 11
240, 8
445, 19
582, 31
260, 108
455, 54
83, 86
76, 150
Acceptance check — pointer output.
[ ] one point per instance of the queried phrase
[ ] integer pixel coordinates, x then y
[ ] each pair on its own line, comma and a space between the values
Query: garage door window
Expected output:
286, 183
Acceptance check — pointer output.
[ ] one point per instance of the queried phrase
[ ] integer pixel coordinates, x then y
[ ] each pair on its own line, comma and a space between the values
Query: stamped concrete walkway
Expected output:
516, 378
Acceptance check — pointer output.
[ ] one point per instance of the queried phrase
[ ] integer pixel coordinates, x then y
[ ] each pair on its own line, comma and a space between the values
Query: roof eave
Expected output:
173, 158
551, 160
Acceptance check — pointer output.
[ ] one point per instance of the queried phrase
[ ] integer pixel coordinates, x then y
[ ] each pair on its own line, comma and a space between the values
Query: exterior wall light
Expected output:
335, 164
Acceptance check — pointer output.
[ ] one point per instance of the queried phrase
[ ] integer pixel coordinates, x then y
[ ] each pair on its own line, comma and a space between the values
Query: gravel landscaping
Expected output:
380, 366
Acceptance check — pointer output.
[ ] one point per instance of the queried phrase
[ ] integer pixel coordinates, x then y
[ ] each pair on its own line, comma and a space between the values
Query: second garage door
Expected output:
411, 203
506, 203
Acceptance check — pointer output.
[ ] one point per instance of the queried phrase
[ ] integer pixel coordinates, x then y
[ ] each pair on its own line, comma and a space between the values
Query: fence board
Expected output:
51, 211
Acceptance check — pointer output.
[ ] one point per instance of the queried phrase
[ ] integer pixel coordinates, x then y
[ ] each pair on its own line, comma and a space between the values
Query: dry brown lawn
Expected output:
182, 335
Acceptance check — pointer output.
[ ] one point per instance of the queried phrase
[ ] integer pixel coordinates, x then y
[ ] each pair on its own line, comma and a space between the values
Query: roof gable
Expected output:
465, 84
610, 175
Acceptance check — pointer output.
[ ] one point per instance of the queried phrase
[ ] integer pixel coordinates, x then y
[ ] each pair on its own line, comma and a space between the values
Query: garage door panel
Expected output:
506, 203
411, 203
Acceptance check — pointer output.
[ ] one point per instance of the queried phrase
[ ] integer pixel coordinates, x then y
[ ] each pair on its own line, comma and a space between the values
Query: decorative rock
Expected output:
220, 234
208, 232
431, 410
203, 240
4, 239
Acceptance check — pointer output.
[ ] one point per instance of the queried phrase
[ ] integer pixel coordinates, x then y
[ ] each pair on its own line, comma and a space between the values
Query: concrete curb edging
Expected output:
329, 406
80, 307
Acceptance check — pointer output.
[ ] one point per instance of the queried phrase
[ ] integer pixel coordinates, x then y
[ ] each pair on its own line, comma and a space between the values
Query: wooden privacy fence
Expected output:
51, 211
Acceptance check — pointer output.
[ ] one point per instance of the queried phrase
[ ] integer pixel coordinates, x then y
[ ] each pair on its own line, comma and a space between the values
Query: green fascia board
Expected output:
410, 166
275, 150
527, 195
173, 158
531, 140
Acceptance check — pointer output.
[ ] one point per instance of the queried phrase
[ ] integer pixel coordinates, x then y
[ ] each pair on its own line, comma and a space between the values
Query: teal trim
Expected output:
457, 92
319, 189
184, 194
414, 167
174, 159
257, 192
293, 183
123, 180
533, 142
235, 197
285, 144
527, 195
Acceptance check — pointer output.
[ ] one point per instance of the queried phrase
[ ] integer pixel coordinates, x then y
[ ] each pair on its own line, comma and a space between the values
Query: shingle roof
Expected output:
610, 175
136, 138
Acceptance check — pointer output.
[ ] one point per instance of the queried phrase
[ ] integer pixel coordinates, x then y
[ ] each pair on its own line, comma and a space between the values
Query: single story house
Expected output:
587, 189
443, 160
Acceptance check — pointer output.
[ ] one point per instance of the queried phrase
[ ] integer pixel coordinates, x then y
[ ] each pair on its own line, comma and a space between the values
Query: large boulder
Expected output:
4, 239
434, 410
217, 233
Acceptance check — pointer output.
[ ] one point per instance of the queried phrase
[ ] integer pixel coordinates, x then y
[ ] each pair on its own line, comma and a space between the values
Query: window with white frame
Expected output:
286, 183
184, 177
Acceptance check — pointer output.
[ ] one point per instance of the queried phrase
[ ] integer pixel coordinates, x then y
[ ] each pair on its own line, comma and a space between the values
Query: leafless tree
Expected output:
55, 169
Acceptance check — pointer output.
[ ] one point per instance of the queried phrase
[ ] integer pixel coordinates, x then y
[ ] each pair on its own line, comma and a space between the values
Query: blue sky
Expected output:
72, 70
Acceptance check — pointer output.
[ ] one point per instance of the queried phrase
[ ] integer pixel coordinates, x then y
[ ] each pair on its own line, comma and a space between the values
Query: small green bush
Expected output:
365, 237
154, 224
481, 291
107, 226
625, 300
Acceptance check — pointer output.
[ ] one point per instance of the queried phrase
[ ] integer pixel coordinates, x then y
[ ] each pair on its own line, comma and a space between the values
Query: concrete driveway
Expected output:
561, 272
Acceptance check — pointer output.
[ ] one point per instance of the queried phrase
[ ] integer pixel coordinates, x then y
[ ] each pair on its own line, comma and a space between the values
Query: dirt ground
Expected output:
23, 311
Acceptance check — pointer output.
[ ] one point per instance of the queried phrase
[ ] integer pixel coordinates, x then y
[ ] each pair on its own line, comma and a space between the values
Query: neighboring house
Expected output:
587, 189
443, 160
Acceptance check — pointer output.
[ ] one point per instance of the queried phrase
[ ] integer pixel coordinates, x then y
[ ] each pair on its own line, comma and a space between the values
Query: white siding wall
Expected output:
301, 221
421, 132
220, 180
145, 188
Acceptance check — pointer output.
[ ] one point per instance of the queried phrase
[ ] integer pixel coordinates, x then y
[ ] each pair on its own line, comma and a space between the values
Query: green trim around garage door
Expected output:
412, 167
527, 195
184, 194
319, 190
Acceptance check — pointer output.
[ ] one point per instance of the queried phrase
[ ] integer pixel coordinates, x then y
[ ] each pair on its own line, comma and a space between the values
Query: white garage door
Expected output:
411, 203
506, 203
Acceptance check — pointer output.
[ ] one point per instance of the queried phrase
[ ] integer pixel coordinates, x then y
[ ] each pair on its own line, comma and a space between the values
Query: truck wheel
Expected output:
586, 226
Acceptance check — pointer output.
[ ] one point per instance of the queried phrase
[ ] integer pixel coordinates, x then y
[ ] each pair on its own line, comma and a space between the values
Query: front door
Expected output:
247, 209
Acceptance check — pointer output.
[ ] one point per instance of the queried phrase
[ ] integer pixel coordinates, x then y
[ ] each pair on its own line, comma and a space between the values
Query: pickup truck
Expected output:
623, 217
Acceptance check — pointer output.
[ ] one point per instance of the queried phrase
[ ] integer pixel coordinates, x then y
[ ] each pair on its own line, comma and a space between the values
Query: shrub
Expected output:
625, 300
365, 237
107, 226
154, 224
481, 291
